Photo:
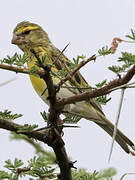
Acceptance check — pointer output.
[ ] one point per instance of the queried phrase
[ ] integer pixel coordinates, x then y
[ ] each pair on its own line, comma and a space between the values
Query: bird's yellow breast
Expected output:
38, 83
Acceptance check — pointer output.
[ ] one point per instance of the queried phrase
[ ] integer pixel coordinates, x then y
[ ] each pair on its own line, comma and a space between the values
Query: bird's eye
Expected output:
26, 32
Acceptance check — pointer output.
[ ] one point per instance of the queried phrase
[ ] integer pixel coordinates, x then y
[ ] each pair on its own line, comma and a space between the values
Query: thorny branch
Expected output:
113, 85
19, 70
11, 126
55, 140
98, 92
52, 136
72, 73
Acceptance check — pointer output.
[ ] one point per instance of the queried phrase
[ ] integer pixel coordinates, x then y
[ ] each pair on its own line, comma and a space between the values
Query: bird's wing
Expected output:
77, 80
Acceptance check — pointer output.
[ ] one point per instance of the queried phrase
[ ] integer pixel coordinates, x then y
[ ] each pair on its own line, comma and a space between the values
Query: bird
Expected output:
27, 36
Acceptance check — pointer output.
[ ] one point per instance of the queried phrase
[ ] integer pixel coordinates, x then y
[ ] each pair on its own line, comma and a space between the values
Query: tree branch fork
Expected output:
52, 136
91, 93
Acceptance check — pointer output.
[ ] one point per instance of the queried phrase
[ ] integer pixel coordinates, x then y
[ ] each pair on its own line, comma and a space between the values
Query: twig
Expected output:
70, 74
98, 92
61, 53
113, 89
82, 116
19, 70
60, 125
14, 68
116, 123
54, 134
129, 85
11, 126
70, 126
77, 87
8, 81
126, 175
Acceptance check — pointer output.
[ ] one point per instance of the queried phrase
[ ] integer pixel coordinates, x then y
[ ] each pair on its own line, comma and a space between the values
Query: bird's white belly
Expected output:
82, 108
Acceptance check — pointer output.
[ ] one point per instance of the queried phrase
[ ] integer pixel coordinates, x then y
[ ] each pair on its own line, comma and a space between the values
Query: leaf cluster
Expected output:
102, 99
82, 174
127, 60
104, 51
76, 61
42, 60
40, 168
34, 71
18, 60
62, 73
37, 167
71, 119
7, 115
27, 128
44, 116
132, 36
39, 150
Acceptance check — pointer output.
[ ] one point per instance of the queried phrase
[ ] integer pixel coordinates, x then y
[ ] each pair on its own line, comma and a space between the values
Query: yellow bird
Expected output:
27, 36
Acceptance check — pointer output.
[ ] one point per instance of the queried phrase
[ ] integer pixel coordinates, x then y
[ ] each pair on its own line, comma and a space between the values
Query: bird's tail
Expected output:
120, 138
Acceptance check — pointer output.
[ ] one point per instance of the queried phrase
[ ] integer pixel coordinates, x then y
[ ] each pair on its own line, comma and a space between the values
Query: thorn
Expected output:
71, 164
43, 91
69, 126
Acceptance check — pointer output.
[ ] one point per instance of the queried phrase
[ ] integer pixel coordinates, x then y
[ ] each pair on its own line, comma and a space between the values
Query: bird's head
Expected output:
29, 35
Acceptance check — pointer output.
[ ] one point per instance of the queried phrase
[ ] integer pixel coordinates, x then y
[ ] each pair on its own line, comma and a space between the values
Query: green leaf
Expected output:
44, 58
18, 60
106, 173
16, 164
132, 36
83, 174
116, 69
6, 115
103, 99
62, 73
26, 128
104, 51
128, 59
9, 60
34, 71
133, 147
44, 115
21, 59
40, 167
72, 119
4, 175
101, 84
76, 61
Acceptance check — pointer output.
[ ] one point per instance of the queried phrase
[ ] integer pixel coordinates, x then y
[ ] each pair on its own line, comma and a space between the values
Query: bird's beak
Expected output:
15, 39
18, 40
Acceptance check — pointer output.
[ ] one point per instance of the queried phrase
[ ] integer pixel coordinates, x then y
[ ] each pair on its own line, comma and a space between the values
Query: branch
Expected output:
11, 126
8, 81
116, 123
43, 137
98, 92
19, 70
54, 134
72, 73
14, 69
